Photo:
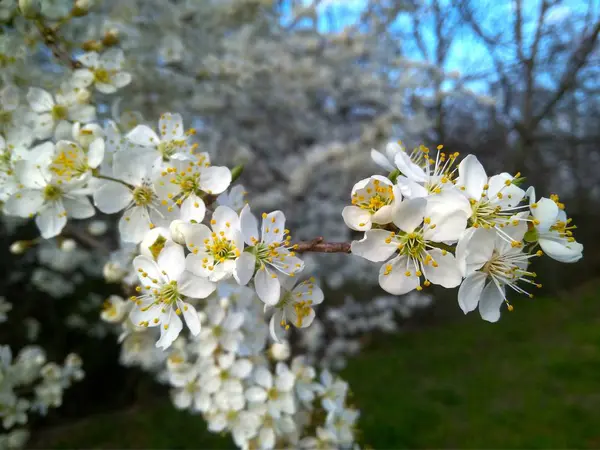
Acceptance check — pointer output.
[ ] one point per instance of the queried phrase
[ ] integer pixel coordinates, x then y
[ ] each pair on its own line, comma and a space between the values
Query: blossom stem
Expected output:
319, 246
50, 38
116, 180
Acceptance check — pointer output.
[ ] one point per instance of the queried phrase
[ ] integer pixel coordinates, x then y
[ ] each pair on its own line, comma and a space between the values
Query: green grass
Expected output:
532, 380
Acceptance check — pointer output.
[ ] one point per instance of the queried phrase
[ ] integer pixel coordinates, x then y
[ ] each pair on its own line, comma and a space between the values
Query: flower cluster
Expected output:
224, 374
441, 221
31, 384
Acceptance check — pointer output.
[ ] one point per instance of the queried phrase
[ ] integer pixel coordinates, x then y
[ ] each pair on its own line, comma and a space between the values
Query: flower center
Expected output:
221, 248
168, 293
69, 163
272, 394
59, 112
377, 196
563, 228
143, 195
302, 310
52, 193
168, 148
102, 76
484, 214
412, 245
5, 117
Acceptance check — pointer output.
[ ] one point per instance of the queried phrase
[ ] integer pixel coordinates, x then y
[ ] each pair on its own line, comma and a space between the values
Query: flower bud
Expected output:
111, 38
113, 273
280, 351
29, 8
92, 46
83, 96
19, 247
178, 230
81, 8
97, 228
68, 245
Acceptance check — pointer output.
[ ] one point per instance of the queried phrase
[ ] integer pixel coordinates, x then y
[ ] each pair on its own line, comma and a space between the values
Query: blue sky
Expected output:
467, 55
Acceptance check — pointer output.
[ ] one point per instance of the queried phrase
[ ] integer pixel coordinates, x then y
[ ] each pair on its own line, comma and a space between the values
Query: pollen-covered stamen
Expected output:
564, 229
168, 148
104, 76
52, 193
59, 112
415, 247
509, 269
143, 195
220, 248
168, 293
70, 163
374, 197
440, 171
109, 308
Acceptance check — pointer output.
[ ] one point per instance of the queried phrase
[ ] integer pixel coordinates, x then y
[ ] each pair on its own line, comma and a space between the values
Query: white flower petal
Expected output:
409, 169
193, 209
490, 302
172, 261
40, 100
82, 78
546, 211
470, 291
409, 214
226, 220
51, 219
379, 159
249, 226
357, 218
170, 127
169, 330
273, 226
393, 279
256, 394
244, 268
78, 207
190, 315
447, 272
194, 286
134, 224
267, 286
374, 245
215, 179
143, 135
24, 203
472, 176
148, 271
96, 153
561, 249
112, 197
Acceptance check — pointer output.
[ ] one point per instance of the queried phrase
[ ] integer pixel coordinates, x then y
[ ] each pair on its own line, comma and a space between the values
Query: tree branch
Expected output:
317, 245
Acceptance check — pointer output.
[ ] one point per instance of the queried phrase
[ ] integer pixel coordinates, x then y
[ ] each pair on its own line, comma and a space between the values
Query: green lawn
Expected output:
532, 380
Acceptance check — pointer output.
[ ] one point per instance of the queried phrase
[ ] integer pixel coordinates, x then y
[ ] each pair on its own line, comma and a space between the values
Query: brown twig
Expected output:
85, 239
317, 245
50, 38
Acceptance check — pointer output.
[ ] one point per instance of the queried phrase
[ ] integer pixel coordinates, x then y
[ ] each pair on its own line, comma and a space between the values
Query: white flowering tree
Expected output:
119, 187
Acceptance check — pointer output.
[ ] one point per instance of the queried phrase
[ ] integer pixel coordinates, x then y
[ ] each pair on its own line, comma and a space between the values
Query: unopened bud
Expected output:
236, 172
178, 231
19, 247
92, 46
30, 9
280, 351
97, 228
68, 245
113, 273
81, 8
110, 38
83, 96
